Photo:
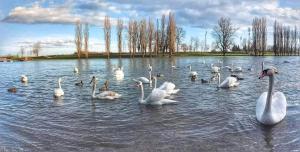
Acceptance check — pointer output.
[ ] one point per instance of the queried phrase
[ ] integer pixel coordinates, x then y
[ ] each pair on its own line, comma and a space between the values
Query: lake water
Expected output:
204, 119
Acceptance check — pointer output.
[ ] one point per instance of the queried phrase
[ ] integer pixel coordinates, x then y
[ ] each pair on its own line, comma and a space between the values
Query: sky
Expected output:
24, 22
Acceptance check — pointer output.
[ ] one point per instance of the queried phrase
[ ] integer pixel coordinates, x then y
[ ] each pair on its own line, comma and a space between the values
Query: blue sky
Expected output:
24, 22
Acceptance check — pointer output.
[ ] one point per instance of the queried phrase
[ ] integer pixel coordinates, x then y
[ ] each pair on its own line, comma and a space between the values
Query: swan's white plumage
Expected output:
107, 95
229, 82
143, 79
278, 108
58, 92
215, 69
169, 87
76, 70
24, 78
156, 97
119, 73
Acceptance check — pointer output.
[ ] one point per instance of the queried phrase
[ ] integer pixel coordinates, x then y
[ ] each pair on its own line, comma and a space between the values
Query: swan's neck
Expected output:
142, 93
155, 81
219, 79
150, 81
94, 89
59, 85
190, 68
269, 96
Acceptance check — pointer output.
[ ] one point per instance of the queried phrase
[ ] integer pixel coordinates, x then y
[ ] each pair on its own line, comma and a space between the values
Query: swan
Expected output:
144, 79
270, 107
149, 67
119, 73
24, 78
105, 94
76, 70
169, 87
192, 73
58, 92
214, 69
156, 97
228, 82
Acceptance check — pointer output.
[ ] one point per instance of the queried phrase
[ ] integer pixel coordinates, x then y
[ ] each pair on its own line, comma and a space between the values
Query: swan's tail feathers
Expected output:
167, 101
175, 91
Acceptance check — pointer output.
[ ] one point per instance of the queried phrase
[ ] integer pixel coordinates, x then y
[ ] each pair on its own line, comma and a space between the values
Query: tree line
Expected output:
144, 37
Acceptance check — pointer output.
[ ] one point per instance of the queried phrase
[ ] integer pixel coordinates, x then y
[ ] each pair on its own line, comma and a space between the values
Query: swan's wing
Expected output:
157, 95
225, 83
167, 101
58, 92
260, 104
232, 81
168, 86
143, 79
279, 103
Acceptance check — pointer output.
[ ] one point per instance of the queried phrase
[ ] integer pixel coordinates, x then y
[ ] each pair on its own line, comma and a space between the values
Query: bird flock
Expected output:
270, 107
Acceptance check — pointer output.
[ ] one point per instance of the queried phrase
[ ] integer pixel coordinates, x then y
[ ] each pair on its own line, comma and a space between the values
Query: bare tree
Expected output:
107, 35
180, 34
86, 40
22, 51
150, 36
135, 36
120, 30
143, 36
171, 34
259, 32
157, 38
36, 48
130, 37
223, 34
163, 35
196, 44
78, 38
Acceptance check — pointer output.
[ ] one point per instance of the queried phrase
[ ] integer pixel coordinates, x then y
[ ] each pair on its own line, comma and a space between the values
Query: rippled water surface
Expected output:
204, 119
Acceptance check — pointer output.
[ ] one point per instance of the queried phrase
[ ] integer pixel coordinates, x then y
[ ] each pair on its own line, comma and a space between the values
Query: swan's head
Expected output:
59, 80
93, 79
268, 72
139, 83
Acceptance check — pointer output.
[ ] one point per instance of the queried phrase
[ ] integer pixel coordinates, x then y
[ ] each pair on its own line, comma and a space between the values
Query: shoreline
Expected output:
127, 55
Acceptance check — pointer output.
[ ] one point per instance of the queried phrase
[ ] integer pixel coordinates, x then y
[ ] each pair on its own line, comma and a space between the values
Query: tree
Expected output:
86, 40
150, 36
171, 34
107, 34
180, 34
36, 48
22, 51
78, 38
120, 30
259, 32
223, 34
130, 37
163, 34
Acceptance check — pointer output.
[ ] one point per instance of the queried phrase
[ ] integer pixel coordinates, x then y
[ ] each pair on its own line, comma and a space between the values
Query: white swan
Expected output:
58, 92
144, 79
192, 73
119, 73
233, 68
215, 69
228, 82
149, 67
24, 78
169, 87
105, 94
76, 70
270, 107
156, 97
